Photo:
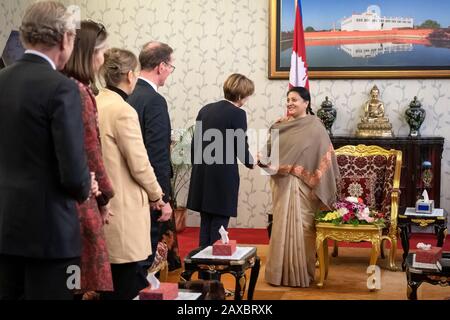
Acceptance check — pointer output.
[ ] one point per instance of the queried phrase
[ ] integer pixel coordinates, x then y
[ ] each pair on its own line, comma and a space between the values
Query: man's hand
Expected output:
166, 213
157, 205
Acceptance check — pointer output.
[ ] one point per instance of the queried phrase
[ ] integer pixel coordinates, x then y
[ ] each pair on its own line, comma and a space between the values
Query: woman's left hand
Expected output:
106, 214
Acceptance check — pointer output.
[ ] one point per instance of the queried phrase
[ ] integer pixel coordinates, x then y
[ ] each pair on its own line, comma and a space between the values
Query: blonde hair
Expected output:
118, 62
238, 87
45, 23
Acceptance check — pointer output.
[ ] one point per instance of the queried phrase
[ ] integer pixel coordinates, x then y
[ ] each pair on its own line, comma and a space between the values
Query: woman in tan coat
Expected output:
128, 228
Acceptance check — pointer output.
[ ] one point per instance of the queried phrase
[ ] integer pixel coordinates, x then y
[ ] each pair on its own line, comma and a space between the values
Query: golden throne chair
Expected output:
384, 168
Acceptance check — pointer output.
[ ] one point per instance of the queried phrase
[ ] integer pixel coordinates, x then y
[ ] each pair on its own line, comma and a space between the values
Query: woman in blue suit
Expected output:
219, 140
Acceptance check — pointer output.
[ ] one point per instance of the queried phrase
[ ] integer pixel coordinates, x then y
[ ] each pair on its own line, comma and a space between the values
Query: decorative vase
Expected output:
415, 115
327, 114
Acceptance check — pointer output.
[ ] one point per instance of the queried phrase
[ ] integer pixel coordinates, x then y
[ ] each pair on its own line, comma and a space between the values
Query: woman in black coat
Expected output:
219, 140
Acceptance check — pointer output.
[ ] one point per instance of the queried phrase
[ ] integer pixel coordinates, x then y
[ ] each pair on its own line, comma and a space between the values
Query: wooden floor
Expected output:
347, 280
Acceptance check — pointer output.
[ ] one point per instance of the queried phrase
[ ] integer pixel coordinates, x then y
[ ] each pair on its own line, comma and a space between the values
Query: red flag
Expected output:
298, 76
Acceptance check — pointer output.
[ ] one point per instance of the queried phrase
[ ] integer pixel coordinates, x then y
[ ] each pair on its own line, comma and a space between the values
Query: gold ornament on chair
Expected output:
374, 123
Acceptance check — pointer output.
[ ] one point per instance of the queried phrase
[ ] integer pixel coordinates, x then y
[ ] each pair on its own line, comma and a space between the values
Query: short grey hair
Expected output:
45, 23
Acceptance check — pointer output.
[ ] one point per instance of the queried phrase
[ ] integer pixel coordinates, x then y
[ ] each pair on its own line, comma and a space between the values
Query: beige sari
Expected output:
303, 179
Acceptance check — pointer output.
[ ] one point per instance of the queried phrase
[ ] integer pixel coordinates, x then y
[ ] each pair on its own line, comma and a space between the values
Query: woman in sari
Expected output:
303, 167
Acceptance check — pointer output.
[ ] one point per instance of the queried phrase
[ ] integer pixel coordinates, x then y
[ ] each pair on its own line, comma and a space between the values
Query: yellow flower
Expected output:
331, 216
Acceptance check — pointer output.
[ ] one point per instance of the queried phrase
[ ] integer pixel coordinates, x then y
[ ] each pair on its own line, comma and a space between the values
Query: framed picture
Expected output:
360, 39
13, 49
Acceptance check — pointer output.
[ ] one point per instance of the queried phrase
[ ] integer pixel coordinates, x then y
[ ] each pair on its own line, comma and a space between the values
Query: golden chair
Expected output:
384, 167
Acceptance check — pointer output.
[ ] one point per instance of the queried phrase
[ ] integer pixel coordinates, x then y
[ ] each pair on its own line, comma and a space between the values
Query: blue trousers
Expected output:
209, 228
209, 233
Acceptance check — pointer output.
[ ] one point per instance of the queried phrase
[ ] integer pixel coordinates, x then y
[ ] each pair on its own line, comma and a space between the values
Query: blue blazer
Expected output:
156, 130
214, 188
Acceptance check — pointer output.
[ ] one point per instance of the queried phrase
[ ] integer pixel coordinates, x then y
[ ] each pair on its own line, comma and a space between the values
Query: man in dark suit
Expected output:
219, 140
43, 168
156, 65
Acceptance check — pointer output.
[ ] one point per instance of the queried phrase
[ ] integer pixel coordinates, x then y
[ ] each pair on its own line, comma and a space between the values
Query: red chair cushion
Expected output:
359, 187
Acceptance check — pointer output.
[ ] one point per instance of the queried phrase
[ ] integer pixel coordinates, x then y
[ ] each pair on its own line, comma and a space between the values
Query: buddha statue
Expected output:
374, 108
374, 123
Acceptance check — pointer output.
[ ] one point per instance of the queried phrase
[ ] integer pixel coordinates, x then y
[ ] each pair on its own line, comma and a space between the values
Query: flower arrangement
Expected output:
353, 211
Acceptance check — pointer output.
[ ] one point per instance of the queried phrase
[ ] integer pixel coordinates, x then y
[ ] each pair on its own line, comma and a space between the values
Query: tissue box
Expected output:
166, 291
424, 207
222, 249
428, 256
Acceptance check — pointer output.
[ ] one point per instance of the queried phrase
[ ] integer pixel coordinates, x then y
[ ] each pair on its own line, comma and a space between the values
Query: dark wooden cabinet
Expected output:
415, 151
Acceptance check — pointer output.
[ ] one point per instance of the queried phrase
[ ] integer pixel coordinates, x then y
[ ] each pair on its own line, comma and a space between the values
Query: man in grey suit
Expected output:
43, 167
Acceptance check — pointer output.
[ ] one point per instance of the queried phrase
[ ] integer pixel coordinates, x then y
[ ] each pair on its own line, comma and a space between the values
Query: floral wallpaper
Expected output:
213, 39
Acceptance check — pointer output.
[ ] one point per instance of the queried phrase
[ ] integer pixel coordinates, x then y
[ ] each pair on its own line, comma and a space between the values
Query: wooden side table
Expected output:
220, 266
416, 276
406, 221
325, 231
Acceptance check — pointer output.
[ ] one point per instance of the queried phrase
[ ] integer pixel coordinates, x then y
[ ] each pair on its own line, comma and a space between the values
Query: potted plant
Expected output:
181, 164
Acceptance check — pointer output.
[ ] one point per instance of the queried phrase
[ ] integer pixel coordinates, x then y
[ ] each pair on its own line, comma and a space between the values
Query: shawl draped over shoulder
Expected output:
302, 147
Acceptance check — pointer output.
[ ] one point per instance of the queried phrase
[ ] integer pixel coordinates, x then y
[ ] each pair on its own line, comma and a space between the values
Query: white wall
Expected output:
215, 38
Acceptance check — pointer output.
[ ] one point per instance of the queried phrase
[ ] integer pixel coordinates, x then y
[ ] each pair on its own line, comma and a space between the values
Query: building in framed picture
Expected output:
356, 39
372, 20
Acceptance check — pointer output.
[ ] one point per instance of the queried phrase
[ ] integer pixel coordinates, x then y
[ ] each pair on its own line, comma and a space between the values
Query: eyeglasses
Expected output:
170, 65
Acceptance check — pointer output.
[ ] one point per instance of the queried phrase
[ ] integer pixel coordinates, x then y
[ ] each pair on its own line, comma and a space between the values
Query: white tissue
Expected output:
224, 235
423, 246
154, 282
426, 199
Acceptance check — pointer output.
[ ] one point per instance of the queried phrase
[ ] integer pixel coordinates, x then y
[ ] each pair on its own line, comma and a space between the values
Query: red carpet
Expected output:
188, 239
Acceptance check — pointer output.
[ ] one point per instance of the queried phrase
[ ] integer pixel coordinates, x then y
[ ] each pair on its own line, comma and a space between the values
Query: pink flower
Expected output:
369, 219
